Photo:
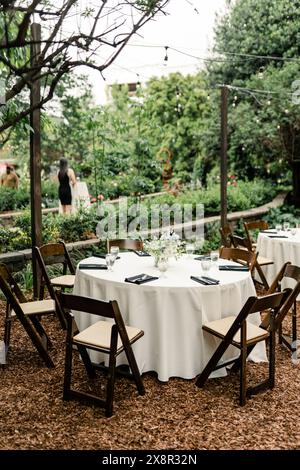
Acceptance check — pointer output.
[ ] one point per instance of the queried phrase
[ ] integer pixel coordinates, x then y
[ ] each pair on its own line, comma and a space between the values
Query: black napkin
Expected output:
206, 281
141, 253
91, 266
199, 258
269, 231
228, 267
102, 255
277, 236
140, 279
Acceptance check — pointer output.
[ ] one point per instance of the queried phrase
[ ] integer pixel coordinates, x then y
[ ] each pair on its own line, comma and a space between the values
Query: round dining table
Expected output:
170, 310
280, 247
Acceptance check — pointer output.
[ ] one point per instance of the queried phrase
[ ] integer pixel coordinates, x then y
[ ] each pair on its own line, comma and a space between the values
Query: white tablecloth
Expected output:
170, 310
280, 250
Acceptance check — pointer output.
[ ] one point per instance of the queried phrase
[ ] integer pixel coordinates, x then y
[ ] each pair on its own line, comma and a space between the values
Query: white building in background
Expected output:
184, 35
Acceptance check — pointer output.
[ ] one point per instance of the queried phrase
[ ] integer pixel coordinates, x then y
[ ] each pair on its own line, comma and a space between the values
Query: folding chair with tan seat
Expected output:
43, 253
54, 254
254, 225
28, 313
240, 242
109, 337
242, 334
125, 244
288, 271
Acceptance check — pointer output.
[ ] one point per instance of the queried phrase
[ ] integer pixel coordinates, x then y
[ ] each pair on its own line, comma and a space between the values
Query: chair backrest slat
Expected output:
87, 305
237, 255
125, 244
57, 253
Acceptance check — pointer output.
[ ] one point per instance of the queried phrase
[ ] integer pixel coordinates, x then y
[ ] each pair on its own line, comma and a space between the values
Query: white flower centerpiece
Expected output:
167, 246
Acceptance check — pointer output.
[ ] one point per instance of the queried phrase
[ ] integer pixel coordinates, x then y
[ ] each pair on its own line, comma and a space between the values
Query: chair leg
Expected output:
42, 291
111, 377
294, 327
243, 379
40, 329
262, 276
87, 361
134, 369
7, 327
212, 363
272, 360
68, 370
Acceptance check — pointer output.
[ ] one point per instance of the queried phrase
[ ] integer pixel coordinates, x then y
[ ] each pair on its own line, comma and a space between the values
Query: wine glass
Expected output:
286, 226
110, 259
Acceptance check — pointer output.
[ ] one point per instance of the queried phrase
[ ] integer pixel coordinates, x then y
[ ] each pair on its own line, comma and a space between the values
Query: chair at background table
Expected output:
235, 254
47, 282
28, 314
288, 271
240, 242
239, 332
125, 244
226, 233
109, 337
54, 254
252, 226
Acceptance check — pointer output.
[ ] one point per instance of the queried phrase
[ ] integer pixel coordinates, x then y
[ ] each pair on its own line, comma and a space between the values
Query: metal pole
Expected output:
224, 143
35, 159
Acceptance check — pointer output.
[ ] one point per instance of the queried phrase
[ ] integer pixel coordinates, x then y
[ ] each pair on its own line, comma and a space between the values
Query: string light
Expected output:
166, 58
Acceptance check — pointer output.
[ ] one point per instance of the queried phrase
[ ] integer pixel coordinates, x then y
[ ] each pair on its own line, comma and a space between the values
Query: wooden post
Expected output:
35, 160
224, 139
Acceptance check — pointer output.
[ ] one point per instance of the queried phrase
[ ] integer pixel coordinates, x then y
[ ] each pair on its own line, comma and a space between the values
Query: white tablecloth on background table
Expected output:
170, 310
280, 250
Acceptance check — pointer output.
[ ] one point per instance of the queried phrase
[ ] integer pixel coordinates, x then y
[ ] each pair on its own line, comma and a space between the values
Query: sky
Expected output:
184, 29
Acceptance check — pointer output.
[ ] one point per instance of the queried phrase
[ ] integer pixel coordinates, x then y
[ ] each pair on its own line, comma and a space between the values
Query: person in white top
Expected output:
67, 181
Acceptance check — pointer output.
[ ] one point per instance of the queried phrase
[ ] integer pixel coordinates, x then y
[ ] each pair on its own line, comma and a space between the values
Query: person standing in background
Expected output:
10, 179
67, 181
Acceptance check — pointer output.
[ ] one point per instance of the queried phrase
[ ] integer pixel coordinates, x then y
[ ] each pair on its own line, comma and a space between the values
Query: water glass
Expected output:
293, 231
205, 265
110, 259
278, 227
190, 248
286, 226
114, 251
162, 266
214, 257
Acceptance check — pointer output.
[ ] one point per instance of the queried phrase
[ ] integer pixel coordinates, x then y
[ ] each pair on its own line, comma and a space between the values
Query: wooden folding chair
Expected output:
226, 234
244, 257
240, 242
254, 225
54, 254
28, 313
288, 271
125, 244
109, 337
50, 286
239, 332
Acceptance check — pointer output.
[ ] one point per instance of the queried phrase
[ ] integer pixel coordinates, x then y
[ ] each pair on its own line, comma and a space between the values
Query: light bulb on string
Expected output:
166, 58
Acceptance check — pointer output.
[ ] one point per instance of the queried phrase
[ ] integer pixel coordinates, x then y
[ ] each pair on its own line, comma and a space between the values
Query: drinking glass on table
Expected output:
286, 226
293, 231
214, 257
162, 266
190, 248
110, 259
114, 251
205, 265
278, 227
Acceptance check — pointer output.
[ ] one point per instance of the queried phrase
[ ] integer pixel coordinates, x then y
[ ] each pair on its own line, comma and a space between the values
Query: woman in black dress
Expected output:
66, 178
